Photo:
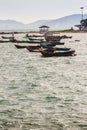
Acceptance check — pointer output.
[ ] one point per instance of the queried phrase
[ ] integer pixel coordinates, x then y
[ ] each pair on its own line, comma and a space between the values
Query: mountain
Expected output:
62, 23
57, 24
11, 24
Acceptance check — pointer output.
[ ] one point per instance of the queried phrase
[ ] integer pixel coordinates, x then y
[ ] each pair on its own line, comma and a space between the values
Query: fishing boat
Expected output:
52, 37
4, 37
33, 48
51, 44
20, 46
55, 48
39, 48
50, 53
25, 41
30, 48
54, 43
66, 37
34, 38
4, 41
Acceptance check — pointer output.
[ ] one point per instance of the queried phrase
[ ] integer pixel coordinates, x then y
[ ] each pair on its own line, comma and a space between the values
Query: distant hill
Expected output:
62, 23
11, 24
58, 24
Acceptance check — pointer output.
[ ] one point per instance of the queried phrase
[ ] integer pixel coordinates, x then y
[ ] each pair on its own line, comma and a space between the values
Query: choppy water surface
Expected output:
39, 93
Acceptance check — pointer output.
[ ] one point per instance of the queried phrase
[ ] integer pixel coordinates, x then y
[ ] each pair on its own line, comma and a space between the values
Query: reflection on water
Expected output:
39, 93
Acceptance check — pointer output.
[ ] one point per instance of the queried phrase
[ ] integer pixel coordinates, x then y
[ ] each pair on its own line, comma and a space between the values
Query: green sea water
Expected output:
38, 93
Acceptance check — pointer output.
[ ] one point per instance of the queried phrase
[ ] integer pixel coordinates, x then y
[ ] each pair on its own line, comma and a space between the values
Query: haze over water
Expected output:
39, 93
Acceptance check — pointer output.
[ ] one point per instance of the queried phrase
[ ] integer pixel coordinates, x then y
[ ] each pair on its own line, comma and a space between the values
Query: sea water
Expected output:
38, 93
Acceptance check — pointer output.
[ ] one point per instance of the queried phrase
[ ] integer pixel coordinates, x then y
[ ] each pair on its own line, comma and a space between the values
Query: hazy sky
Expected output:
28, 11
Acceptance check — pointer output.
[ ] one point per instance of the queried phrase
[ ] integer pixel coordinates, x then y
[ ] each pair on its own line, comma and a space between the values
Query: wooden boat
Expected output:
7, 37
51, 44
50, 53
55, 43
25, 41
33, 35
36, 39
62, 49
38, 48
30, 48
55, 48
52, 38
19, 46
65, 37
37, 42
4, 41
33, 48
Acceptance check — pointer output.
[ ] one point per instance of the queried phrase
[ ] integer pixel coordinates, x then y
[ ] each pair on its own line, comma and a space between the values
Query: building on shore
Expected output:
44, 29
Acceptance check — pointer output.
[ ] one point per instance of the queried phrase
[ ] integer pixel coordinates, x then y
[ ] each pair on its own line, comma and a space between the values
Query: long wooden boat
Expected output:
33, 35
55, 48
62, 49
29, 47
65, 37
38, 42
20, 46
50, 53
33, 48
4, 41
25, 41
36, 39
51, 44
37, 48
52, 38
4, 37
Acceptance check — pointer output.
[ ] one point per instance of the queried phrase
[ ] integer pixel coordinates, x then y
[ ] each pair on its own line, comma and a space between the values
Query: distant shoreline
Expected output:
70, 31
55, 31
